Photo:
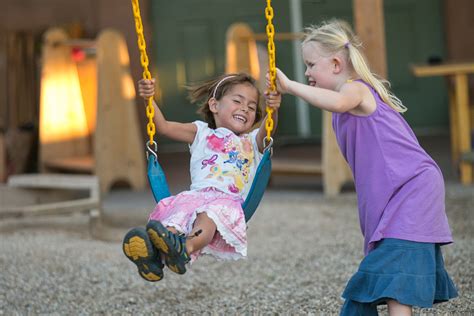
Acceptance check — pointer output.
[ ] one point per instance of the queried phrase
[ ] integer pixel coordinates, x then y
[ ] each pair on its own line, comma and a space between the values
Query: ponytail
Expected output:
336, 35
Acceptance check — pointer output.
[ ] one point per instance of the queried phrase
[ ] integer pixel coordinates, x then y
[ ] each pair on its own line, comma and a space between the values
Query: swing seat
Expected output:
259, 184
160, 189
157, 179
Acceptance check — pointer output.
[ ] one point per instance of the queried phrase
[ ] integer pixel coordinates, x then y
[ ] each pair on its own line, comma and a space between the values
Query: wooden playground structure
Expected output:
243, 55
460, 115
107, 143
89, 134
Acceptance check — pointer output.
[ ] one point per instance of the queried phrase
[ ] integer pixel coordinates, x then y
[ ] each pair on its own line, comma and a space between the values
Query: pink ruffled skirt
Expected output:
180, 211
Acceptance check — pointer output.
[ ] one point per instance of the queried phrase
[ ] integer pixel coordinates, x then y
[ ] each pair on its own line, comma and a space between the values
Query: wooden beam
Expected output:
284, 36
443, 69
295, 167
370, 27
57, 208
54, 181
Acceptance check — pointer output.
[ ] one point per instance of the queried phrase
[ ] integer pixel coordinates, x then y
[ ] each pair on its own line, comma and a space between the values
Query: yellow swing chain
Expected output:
271, 65
150, 110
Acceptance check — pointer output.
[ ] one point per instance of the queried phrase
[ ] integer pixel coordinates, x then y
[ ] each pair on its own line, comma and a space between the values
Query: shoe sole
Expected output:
137, 248
159, 237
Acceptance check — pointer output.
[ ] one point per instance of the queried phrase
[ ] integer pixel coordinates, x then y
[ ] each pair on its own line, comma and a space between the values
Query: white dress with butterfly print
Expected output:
223, 160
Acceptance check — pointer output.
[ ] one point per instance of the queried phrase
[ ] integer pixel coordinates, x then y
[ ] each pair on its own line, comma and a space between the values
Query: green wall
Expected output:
189, 45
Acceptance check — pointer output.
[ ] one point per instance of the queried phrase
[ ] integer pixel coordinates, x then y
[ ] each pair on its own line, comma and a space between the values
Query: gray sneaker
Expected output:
139, 249
172, 245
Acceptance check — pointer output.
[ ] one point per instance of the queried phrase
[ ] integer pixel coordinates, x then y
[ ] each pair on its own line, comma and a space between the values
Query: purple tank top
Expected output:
400, 189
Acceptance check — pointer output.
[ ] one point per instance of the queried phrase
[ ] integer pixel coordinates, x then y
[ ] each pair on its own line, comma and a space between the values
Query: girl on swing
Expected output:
225, 152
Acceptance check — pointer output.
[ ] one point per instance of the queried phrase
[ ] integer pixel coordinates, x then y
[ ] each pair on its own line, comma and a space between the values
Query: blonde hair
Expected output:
337, 36
216, 88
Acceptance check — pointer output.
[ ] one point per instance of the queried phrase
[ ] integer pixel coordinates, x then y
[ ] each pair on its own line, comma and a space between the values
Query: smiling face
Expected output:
320, 66
236, 110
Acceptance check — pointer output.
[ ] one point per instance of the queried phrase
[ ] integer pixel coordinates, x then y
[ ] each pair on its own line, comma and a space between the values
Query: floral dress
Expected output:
222, 168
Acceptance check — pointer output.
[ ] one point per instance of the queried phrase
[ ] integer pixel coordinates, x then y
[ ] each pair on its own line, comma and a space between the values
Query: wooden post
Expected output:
336, 171
464, 133
241, 50
370, 27
455, 152
3, 158
118, 149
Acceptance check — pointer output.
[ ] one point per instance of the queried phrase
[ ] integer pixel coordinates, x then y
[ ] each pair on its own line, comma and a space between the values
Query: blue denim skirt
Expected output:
409, 272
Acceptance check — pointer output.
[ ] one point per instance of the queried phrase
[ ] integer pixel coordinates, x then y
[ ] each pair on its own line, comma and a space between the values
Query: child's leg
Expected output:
177, 248
395, 308
171, 245
201, 235
203, 231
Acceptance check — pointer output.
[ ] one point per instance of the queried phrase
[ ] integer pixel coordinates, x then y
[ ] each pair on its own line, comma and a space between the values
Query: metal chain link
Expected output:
150, 110
271, 64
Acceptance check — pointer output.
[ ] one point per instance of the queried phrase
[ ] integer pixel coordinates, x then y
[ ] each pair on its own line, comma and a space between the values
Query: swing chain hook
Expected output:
151, 150
268, 146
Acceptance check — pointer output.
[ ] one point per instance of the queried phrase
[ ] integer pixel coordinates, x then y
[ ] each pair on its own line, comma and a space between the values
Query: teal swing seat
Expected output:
259, 184
157, 179
160, 189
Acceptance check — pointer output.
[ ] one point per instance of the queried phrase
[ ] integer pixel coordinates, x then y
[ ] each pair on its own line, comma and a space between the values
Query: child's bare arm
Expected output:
184, 132
348, 98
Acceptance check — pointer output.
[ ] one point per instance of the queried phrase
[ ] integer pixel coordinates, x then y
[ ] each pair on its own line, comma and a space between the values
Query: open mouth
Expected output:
240, 118
312, 83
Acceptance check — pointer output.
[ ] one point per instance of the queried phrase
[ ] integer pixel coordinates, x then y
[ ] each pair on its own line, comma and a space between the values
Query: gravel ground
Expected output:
303, 248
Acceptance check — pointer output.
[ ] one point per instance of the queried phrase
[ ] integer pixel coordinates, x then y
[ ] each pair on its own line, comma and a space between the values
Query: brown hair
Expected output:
202, 92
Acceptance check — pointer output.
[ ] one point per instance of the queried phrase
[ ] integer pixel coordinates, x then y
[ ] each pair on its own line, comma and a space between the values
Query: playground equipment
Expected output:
88, 129
88, 120
460, 115
242, 55
33, 195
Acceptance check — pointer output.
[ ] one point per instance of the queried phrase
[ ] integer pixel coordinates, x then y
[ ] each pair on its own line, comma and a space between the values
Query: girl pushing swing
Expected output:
400, 188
